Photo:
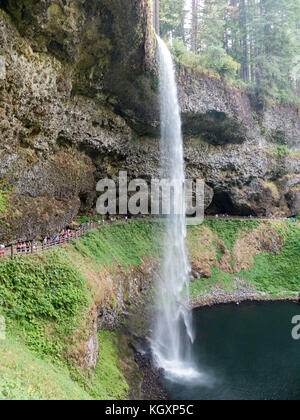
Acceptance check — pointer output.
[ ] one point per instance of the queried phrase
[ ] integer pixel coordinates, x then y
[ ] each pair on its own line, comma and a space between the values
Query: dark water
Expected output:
247, 353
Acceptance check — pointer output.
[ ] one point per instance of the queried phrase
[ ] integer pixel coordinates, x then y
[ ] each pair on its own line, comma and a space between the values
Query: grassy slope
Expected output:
272, 271
24, 376
47, 299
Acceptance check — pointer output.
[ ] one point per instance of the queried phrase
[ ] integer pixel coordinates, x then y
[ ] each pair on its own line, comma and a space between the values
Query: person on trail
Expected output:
19, 247
2, 250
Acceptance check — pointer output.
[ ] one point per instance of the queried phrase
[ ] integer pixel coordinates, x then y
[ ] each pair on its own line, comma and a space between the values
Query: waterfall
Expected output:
172, 334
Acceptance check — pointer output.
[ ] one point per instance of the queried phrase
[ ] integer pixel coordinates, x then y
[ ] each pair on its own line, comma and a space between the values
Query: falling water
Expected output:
173, 335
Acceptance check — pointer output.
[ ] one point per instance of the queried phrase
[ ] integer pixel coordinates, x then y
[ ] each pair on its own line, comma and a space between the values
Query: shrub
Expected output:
282, 151
214, 60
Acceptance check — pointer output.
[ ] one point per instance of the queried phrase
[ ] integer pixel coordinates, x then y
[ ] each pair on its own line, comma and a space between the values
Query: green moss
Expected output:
54, 11
109, 382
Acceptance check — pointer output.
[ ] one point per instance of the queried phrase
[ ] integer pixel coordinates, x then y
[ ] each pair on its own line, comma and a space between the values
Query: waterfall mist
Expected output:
173, 334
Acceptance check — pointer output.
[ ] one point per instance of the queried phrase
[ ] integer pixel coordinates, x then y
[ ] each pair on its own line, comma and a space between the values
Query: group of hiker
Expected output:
27, 247
67, 234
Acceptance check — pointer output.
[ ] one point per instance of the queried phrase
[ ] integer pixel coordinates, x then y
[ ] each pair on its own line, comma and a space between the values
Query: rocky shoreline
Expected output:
151, 387
241, 291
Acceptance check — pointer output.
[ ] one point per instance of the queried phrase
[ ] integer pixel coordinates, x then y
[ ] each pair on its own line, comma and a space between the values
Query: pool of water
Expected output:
244, 352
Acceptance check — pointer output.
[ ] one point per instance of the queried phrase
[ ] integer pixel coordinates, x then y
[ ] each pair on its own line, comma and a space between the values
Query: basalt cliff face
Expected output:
79, 102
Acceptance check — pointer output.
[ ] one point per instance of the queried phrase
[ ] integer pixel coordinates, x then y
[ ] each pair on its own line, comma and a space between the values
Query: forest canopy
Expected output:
256, 43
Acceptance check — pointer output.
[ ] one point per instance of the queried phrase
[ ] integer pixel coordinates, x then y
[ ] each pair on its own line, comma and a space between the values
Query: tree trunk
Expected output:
156, 16
194, 34
244, 41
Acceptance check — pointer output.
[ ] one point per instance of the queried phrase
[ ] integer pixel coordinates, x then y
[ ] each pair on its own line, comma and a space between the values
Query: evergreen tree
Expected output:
194, 26
172, 18
263, 36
